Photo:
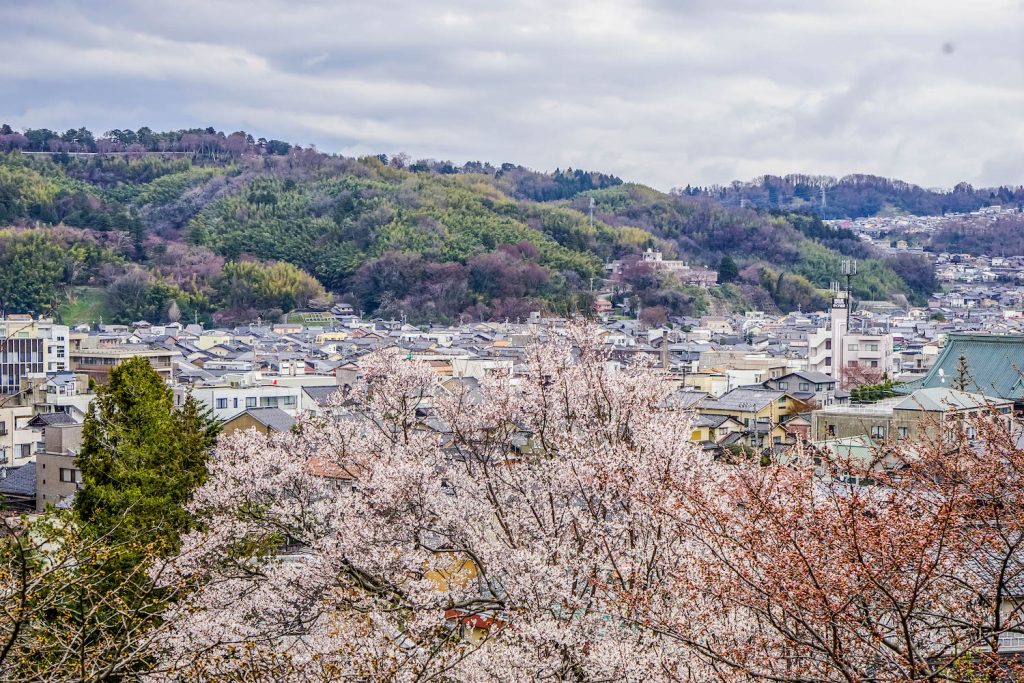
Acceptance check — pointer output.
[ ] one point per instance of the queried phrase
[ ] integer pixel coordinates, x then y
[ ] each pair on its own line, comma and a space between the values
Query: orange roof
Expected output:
319, 466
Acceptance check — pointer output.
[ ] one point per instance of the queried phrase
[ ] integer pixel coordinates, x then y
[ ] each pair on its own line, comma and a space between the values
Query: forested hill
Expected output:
133, 225
853, 196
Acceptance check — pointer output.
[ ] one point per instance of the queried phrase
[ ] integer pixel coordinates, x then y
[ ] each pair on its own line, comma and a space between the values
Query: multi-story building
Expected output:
57, 475
852, 357
30, 347
17, 439
908, 418
97, 362
869, 356
228, 399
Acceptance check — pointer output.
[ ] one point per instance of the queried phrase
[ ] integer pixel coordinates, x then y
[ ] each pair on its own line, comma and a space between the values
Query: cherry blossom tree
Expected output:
799, 575
559, 525
428, 533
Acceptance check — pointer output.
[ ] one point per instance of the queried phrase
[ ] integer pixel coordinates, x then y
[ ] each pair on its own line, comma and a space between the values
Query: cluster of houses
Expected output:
753, 382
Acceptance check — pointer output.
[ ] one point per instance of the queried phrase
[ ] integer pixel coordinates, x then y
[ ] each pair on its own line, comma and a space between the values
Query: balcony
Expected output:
1011, 642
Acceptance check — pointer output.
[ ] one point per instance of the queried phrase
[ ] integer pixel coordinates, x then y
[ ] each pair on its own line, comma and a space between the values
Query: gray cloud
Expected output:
659, 91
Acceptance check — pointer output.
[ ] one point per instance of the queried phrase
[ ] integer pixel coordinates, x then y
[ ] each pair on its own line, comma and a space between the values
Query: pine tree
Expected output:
141, 458
963, 374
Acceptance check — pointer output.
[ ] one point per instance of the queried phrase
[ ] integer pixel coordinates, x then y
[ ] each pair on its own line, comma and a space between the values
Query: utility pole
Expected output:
849, 270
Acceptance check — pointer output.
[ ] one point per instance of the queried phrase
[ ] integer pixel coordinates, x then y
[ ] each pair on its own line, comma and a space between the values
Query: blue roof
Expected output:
995, 365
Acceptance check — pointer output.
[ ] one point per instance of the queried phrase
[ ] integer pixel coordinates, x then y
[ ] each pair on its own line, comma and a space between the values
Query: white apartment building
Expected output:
30, 348
229, 399
834, 350
17, 439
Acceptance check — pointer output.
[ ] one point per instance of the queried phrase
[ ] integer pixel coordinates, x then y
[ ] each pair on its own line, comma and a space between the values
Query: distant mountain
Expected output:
853, 196
200, 224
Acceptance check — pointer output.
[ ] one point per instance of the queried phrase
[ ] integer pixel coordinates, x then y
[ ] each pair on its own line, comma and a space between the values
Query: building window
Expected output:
783, 385
878, 432
872, 347
235, 403
874, 363
804, 386
26, 450
222, 403
903, 432
250, 402
3, 427
289, 400
852, 347
831, 430
70, 475
852, 364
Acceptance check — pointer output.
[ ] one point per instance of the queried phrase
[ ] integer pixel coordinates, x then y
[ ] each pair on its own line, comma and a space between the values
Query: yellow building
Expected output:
749, 406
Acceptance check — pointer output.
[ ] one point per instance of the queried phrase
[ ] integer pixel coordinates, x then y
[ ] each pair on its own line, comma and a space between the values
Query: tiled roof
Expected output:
995, 364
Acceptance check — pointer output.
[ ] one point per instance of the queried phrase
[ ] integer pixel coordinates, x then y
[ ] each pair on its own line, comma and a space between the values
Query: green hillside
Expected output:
229, 229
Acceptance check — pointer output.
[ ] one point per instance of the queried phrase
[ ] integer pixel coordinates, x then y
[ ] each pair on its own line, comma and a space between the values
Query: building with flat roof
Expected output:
98, 362
29, 348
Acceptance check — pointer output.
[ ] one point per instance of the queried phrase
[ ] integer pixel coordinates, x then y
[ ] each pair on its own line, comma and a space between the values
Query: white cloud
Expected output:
663, 92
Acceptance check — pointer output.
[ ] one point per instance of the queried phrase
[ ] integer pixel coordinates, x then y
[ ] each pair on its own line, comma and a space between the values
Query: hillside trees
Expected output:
246, 289
238, 198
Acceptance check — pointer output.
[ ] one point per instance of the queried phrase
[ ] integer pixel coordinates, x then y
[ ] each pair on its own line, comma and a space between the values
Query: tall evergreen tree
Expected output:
141, 458
727, 270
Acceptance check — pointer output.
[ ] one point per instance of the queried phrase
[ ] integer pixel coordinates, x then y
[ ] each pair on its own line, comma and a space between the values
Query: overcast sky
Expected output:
658, 91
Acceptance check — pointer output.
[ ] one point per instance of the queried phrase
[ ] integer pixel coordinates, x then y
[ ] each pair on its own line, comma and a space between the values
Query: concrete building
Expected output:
30, 348
57, 477
908, 418
17, 439
227, 400
97, 362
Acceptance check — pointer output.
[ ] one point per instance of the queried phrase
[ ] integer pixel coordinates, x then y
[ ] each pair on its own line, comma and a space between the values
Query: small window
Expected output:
804, 386
70, 475
222, 403
235, 402
852, 347
783, 385
903, 432
289, 400
26, 450
878, 432
250, 402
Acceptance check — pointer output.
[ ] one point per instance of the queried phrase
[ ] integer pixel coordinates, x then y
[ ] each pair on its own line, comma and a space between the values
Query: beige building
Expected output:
57, 477
98, 362
910, 418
